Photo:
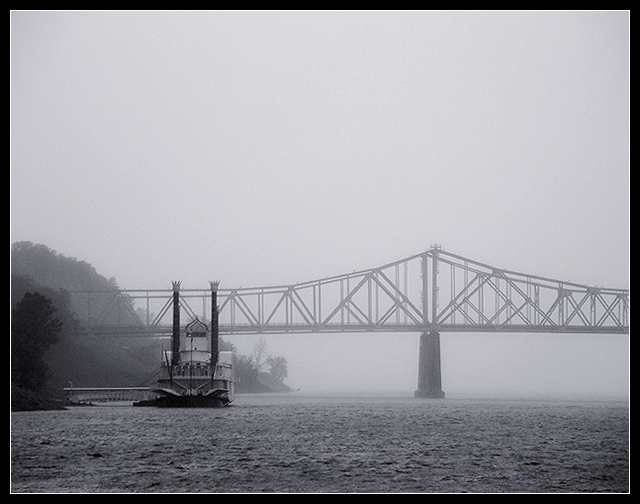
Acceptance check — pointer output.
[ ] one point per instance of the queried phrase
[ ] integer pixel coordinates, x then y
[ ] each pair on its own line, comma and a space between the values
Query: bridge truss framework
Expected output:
434, 290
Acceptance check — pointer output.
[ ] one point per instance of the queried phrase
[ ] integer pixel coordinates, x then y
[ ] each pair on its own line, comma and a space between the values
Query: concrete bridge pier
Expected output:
429, 380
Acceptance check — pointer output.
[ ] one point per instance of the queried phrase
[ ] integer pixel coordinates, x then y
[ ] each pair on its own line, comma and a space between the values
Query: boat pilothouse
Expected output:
194, 372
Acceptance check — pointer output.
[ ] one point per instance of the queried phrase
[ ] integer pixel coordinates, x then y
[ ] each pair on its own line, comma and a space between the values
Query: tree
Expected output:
34, 329
246, 373
260, 353
277, 368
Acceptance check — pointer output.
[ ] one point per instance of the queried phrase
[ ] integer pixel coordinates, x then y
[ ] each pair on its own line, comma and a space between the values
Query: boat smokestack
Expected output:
175, 336
214, 322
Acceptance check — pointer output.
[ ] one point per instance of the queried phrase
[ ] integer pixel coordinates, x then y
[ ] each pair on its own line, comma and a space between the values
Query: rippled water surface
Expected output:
293, 443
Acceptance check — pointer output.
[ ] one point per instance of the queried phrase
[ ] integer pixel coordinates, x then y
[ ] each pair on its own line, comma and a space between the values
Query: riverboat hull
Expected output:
186, 401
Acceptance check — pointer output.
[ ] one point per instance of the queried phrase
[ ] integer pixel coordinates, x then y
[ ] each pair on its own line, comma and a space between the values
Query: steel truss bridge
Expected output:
434, 290
431, 292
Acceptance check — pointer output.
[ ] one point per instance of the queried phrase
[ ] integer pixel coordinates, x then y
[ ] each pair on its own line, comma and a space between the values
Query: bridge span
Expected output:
431, 292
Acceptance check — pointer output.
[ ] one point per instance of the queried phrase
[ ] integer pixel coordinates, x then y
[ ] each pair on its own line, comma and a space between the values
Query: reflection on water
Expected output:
298, 443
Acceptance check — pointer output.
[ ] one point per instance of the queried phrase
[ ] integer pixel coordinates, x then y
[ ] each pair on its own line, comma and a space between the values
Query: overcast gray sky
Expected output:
275, 147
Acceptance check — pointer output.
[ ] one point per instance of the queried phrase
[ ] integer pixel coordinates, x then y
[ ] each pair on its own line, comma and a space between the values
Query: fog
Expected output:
261, 148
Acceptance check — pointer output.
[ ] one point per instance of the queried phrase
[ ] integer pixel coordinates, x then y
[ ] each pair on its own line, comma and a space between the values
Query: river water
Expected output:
298, 443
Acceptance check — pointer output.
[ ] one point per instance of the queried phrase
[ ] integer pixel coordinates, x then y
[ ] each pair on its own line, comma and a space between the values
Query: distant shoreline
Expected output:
26, 400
